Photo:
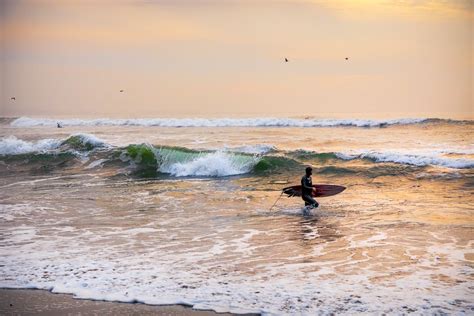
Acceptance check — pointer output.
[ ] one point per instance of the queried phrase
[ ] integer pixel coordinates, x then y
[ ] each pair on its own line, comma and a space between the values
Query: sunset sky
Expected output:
226, 58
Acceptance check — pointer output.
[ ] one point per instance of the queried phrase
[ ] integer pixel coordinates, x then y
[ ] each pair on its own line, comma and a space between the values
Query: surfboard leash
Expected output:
276, 201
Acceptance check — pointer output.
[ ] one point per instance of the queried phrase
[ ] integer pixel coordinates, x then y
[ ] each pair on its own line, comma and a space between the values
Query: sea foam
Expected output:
258, 149
434, 159
227, 122
214, 164
84, 141
13, 146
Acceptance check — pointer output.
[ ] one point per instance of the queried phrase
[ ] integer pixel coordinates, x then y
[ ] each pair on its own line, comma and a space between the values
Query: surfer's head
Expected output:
309, 171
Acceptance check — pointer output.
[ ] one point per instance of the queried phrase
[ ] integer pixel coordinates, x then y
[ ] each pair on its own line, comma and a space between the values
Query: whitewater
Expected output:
231, 122
176, 211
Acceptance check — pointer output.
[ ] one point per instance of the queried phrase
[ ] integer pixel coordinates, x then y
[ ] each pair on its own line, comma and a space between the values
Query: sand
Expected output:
40, 302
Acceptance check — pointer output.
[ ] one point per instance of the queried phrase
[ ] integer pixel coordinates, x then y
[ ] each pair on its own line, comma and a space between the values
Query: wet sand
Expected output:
40, 302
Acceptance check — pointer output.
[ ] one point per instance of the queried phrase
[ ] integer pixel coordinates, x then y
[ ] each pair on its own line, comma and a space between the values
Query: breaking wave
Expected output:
231, 122
215, 164
435, 158
83, 142
430, 159
13, 146
147, 160
183, 162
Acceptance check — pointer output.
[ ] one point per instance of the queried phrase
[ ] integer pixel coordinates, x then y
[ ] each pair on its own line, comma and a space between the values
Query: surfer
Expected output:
307, 189
59, 125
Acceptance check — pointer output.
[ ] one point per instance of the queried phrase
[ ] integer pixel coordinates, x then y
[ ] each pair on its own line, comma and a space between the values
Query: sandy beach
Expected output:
41, 302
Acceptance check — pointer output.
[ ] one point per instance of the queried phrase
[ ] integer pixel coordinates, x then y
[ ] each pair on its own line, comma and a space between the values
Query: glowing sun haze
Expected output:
227, 58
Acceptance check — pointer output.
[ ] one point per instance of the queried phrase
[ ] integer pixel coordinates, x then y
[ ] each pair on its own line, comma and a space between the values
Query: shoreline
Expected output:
44, 302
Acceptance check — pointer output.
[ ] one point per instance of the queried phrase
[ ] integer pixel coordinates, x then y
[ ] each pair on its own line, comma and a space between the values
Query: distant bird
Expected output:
286, 60
347, 58
13, 98
121, 90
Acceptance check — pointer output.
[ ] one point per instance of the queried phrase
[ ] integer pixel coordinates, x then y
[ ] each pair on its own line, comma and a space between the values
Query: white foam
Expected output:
216, 122
13, 146
259, 149
216, 164
373, 241
90, 139
415, 159
241, 271
96, 163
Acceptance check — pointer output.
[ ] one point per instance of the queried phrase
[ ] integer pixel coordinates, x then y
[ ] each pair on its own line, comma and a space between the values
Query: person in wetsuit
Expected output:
307, 189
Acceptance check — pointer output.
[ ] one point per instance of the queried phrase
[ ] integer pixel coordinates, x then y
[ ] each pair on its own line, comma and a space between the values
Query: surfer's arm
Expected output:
305, 184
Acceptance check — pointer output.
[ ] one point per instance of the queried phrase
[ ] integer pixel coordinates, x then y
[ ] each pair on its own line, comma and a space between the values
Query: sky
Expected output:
226, 58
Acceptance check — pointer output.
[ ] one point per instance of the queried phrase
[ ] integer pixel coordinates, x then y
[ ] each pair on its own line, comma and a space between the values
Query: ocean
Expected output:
177, 211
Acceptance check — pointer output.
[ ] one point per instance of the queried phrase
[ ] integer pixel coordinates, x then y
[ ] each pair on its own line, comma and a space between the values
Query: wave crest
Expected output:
183, 162
232, 122
411, 159
146, 160
216, 164
13, 146
83, 142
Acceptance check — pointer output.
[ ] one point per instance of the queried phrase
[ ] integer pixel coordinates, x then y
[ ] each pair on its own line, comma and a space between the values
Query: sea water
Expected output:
176, 211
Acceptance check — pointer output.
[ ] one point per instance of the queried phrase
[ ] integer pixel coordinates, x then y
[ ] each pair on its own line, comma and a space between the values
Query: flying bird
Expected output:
121, 90
286, 60
347, 58
13, 98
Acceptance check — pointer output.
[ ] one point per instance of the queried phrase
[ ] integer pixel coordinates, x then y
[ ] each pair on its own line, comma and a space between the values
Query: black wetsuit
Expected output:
307, 191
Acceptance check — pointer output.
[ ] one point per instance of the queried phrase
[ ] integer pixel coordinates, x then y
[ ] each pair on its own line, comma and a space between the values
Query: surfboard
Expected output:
322, 190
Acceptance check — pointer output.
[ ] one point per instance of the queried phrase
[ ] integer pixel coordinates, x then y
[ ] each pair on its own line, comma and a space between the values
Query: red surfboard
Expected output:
322, 190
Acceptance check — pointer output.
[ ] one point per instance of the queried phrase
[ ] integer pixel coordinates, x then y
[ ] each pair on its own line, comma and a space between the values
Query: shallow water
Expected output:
191, 225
